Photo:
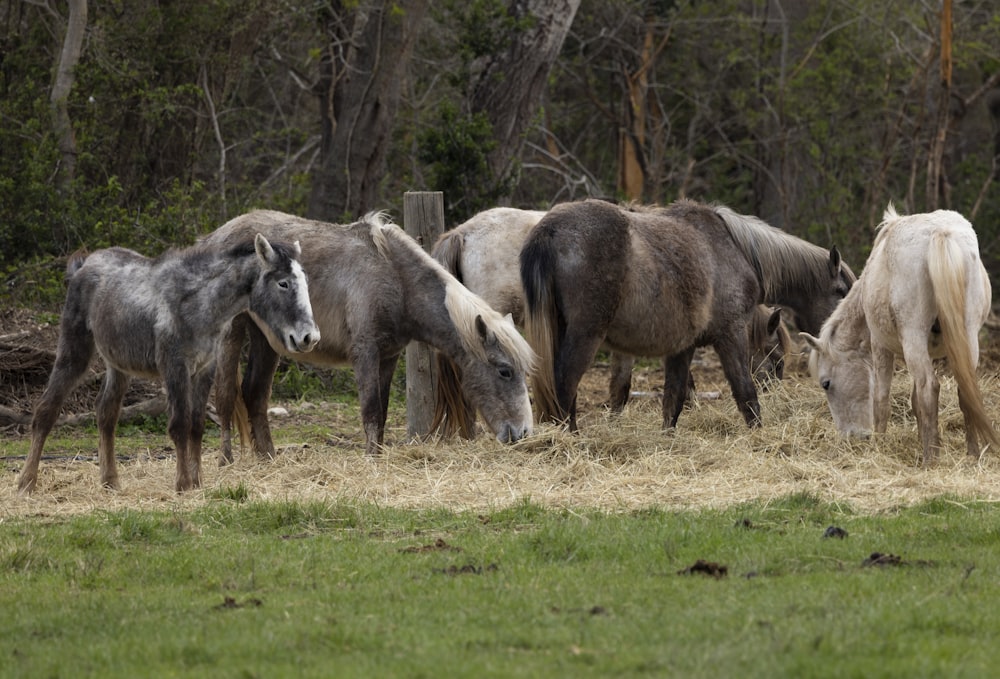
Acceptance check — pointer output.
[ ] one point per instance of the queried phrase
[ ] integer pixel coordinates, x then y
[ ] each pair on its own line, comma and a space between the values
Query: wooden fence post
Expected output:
423, 219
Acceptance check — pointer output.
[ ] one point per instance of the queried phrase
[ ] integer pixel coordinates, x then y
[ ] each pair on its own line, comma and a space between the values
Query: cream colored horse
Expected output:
924, 294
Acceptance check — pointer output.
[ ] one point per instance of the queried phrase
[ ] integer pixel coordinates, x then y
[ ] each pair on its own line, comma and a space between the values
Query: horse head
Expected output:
769, 343
279, 300
841, 362
493, 375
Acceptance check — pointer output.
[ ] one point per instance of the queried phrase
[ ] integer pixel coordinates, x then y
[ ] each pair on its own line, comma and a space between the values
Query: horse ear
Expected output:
774, 321
834, 262
810, 340
484, 331
264, 249
297, 248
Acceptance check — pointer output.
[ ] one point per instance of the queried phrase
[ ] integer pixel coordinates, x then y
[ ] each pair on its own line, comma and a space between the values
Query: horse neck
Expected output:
850, 321
221, 288
430, 317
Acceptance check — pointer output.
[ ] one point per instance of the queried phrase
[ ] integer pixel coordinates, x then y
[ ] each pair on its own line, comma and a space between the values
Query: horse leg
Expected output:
76, 348
620, 383
179, 397
971, 437
108, 410
374, 378
676, 385
262, 361
573, 359
924, 400
882, 366
227, 384
733, 352
199, 405
386, 371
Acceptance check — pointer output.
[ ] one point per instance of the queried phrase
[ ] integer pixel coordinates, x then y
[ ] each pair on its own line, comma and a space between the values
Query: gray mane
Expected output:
782, 261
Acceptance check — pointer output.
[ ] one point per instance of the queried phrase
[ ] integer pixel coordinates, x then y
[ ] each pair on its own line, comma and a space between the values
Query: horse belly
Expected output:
654, 319
651, 332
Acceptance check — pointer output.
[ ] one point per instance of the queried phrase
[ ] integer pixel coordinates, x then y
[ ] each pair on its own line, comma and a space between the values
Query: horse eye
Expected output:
825, 383
505, 373
283, 285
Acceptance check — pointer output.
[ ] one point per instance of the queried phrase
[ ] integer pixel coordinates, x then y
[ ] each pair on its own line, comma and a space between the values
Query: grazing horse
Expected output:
374, 290
165, 317
660, 281
923, 294
483, 254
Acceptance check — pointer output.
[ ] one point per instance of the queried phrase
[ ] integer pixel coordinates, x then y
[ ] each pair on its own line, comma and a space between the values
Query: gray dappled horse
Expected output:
662, 281
923, 294
483, 253
165, 317
374, 290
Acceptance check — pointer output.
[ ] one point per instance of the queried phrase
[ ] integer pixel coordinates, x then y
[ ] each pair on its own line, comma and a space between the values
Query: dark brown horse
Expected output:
660, 281
483, 253
374, 290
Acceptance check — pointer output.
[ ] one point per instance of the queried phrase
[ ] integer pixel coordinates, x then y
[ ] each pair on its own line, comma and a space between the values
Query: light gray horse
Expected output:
164, 318
924, 294
374, 290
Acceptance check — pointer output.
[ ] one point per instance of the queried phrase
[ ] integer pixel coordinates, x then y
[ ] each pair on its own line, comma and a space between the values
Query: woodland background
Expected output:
147, 123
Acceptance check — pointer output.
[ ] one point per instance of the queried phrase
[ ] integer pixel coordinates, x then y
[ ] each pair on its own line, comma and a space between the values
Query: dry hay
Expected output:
615, 463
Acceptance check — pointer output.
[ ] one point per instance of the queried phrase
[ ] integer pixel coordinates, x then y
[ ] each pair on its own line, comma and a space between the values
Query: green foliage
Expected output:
481, 28
279, 588
455, 149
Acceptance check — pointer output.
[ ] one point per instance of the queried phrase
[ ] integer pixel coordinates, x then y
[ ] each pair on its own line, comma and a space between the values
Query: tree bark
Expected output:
76, 26
359, 87
509, 88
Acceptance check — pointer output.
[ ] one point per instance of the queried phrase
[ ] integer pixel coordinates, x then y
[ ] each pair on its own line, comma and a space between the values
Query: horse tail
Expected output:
75, 261
949, 279
453, 412
240, 415
540, 322
448, 252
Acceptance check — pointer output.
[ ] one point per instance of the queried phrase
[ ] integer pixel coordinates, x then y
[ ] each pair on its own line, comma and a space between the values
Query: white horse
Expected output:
924, 294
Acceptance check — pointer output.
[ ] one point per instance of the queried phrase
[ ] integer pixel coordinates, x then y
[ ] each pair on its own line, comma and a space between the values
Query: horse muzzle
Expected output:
510, 433
303, 342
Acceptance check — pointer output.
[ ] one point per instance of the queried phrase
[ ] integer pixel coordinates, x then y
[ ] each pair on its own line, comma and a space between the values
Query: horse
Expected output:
648, 281
165, 317
374, 290
923, 294
483, 254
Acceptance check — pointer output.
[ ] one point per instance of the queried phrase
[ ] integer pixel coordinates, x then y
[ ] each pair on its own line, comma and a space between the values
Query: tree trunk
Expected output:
936, 181
76, 26
359, 86
509, 88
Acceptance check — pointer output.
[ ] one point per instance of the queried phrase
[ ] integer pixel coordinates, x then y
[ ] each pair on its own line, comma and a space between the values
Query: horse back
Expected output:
579, 253
901, 291
113, 301
354, 288
487, 247
685, 284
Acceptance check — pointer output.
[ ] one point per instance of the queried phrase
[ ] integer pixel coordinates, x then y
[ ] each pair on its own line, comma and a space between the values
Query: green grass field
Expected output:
243, 588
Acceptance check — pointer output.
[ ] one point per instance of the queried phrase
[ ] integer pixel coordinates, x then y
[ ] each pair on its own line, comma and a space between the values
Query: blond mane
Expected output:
463, 305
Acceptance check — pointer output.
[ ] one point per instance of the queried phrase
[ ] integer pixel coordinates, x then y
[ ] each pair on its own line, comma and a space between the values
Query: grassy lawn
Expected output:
263, 589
